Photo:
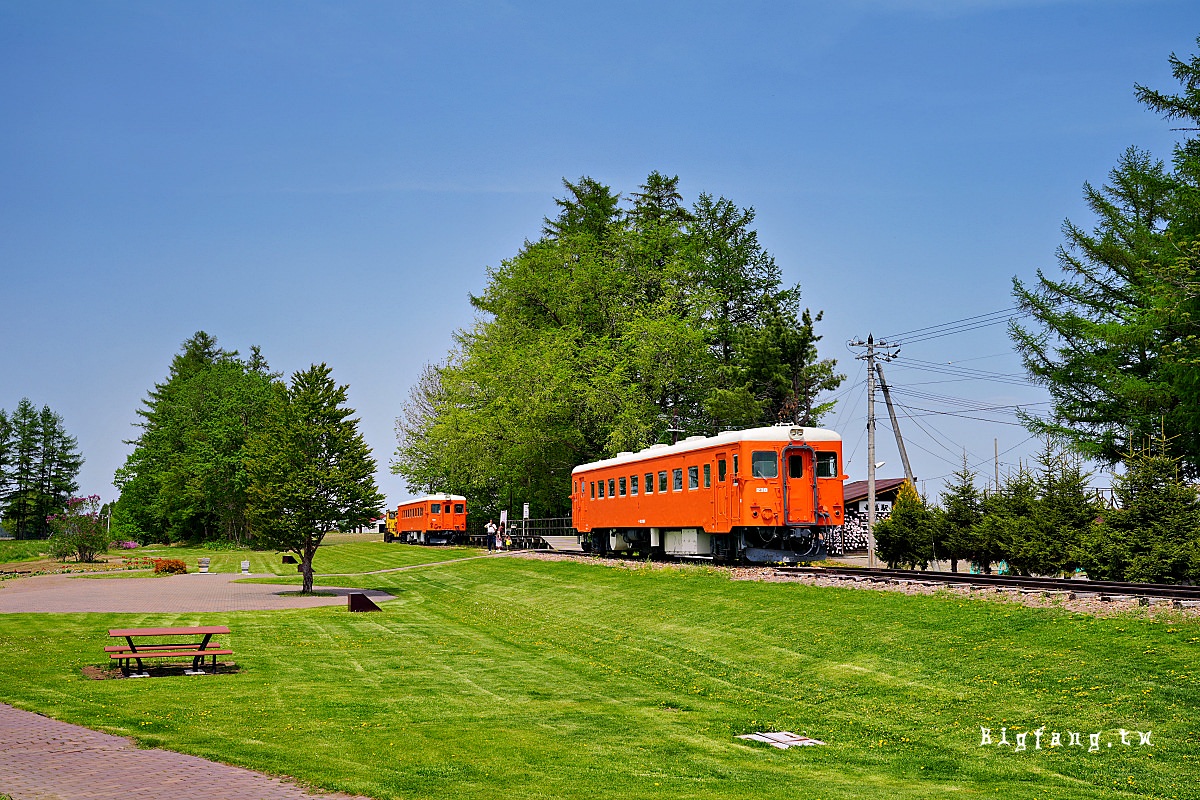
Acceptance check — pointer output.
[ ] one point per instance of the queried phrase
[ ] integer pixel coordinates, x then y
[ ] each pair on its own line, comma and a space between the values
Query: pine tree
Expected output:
185, 479
310, 469
43, 463
962, 508
905, 538
6, 452
1113, 338
1154, 534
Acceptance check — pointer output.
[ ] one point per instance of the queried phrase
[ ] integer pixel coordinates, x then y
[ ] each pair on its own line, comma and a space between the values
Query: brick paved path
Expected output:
43, 759
177, 593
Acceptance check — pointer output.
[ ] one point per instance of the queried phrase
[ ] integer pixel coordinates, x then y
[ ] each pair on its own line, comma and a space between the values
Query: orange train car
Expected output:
433, 519
767, 494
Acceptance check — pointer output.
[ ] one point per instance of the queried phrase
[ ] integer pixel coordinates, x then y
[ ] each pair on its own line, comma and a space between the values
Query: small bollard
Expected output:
204, 565
245, 567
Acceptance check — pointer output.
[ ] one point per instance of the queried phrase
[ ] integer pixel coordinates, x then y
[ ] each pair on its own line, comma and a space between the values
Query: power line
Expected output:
956, 326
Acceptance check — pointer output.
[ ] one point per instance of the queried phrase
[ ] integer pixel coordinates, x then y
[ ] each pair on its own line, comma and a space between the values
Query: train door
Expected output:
801, 485
720, 489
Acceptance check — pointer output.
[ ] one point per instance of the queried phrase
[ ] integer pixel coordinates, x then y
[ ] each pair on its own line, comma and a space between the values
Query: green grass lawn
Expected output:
14, 550
508, 678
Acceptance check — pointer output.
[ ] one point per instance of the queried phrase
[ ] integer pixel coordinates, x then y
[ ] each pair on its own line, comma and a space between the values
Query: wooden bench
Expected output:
197, 651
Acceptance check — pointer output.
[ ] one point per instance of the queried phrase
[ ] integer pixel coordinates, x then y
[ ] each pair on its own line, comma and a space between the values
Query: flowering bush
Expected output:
169, 566
128, 545
78, 531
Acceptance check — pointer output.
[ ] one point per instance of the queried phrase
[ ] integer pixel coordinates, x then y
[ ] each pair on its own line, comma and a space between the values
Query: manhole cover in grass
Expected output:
781, 739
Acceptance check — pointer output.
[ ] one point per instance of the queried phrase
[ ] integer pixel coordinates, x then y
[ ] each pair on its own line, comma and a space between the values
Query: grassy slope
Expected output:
507, 678
13, 550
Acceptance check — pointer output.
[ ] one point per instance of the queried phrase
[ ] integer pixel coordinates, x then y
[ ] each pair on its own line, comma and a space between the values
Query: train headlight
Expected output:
796, 434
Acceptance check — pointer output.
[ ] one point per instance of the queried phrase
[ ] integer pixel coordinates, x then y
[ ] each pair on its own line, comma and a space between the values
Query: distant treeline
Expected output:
39, 464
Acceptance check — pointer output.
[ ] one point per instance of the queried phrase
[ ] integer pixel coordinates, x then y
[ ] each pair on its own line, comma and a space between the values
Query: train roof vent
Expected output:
658, 446
624, 453
694, 438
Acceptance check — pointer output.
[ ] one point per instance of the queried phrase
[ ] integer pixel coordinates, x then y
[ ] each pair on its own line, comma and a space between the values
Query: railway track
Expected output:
1104, 590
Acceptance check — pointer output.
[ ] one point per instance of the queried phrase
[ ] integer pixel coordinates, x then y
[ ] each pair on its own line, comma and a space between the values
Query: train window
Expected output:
435, 508
796, 466
649, 483
593, 490
764, 464
633, 484
677, 480
458, 508
827, 466
693, 477
621, 484
662, 481
612, 488
720, 470
707, 475
601, 490
735, 465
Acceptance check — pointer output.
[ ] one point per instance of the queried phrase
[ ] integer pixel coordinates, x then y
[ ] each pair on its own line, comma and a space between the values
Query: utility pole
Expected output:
869, 356
887, 397
996, 450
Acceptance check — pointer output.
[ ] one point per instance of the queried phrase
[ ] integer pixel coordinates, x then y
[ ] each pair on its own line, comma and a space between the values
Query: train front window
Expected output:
677, 480
796, 466
693, 477
827, 466
435, 508
458, 508
764, 464
662, 481
621, 484
633, 484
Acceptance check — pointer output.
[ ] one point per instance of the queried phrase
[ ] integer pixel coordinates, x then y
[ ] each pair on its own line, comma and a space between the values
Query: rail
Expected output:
1076, 585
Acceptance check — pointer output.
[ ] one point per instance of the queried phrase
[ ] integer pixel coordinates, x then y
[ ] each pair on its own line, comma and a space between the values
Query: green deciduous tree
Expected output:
310, 469
613, 327
185, 479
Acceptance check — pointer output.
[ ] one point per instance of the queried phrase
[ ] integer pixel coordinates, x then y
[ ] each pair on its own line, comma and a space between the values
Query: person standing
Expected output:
491, 535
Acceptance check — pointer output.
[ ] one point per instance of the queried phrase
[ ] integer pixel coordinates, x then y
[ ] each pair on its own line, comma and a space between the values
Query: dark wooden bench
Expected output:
127, 657
197, 651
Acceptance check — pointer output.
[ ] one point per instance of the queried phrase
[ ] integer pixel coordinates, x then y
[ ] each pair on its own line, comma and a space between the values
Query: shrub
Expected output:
169, 566
78, 531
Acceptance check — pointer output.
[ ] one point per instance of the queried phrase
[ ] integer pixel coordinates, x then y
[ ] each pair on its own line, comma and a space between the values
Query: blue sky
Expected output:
330, 180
